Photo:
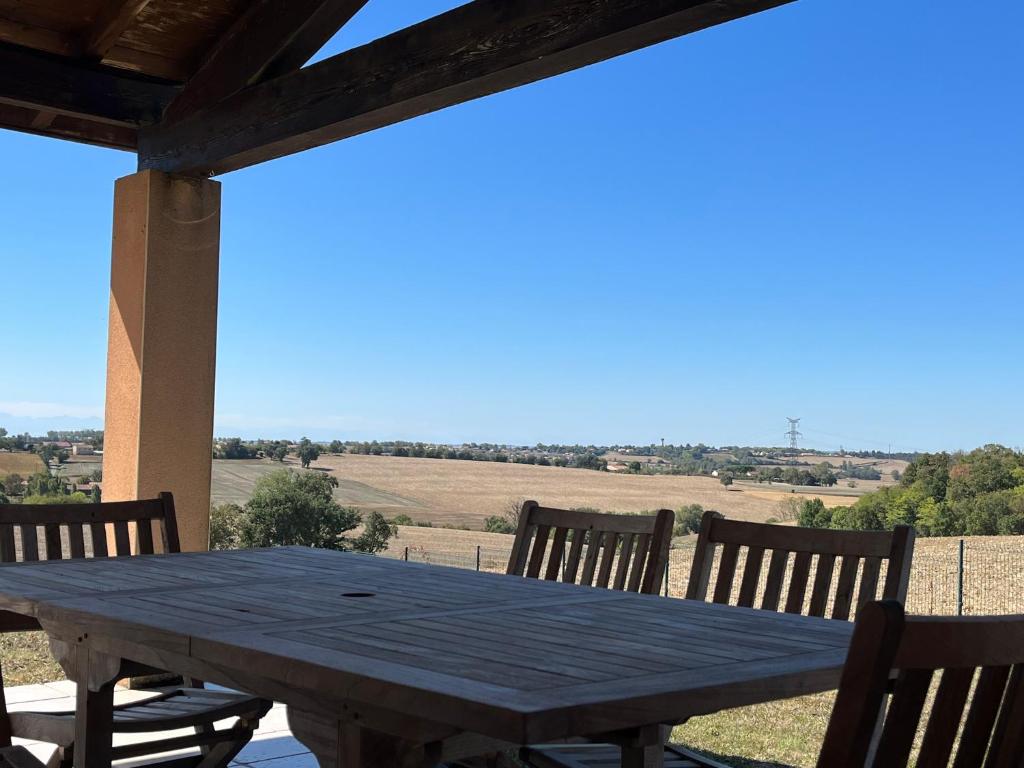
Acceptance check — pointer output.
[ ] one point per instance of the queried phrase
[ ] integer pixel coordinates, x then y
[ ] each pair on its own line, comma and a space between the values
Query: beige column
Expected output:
162, 346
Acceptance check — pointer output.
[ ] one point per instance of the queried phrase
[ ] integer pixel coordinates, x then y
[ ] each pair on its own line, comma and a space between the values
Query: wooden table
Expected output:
386, 663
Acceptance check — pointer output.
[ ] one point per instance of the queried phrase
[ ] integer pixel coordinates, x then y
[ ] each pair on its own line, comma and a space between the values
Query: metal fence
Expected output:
949, 576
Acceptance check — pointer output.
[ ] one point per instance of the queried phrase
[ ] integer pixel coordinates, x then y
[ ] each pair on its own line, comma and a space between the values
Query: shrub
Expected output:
402, 519
688, 519
498, 524
226, 526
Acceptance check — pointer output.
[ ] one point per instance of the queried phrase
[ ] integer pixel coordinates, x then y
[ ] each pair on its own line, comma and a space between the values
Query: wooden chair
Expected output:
984, 651
641, 543
860, 552
81, 530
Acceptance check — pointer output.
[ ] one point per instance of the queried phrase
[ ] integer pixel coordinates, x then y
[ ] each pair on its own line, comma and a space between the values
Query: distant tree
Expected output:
376, 533
636, 467
336, 446
725, 478
289, 507
814, 514
402, 519
279, 453
45, 484
895, 475
543, 461
308, 452
96, 476
688, 519
13, 484
95, 494
234, 448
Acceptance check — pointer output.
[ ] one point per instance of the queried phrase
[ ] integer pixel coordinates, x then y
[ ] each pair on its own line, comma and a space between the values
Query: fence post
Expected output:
405, 555
960, 582
668, 558
478, 557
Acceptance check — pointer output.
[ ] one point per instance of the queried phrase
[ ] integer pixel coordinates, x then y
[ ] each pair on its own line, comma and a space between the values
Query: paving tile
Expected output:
18, 694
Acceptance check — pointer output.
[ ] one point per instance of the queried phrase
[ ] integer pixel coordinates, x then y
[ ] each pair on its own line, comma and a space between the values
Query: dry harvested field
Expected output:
20, 463
466, 492
993, 579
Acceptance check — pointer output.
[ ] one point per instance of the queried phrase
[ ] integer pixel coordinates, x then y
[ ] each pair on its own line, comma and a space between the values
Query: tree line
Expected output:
980, 493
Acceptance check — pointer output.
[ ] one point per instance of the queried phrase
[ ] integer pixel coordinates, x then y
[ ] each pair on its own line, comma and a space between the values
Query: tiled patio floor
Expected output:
272, 747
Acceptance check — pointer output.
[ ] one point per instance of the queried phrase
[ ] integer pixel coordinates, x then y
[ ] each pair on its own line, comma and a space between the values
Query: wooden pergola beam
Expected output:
273, 37
72, 128
48, 83
477, 49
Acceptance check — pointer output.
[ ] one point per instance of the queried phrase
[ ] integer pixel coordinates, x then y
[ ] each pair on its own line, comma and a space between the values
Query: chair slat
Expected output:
944, 720
751, 576
798, 579
144, 532
981, 717
51, 534
76, 540
557, 553
844, 587
822, 584
540, 545
590, 561
1006, 749
610, 546
726, 573
903, 717
773, 586
29, 543
869, 580
122, 539
8, 552
99, 539
572, 563
625, 556
640, 555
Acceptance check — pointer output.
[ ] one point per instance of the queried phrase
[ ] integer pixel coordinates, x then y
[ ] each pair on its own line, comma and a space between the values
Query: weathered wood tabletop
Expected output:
380, 659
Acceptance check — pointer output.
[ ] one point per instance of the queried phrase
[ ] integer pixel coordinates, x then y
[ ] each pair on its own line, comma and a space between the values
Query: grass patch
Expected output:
25, 658
780, 733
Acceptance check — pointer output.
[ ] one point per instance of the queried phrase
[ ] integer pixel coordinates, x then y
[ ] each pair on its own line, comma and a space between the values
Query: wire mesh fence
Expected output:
949, 576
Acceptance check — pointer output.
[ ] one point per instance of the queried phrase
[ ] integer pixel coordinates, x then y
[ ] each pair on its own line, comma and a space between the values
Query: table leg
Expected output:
95, 676
339, 743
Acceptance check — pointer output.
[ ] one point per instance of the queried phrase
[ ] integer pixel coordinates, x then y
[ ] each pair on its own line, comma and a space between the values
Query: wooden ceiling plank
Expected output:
113, 19
37, 37
273, 37
476, 49
47, 83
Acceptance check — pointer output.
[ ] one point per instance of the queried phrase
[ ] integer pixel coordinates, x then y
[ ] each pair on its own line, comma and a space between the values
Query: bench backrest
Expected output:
626, 552
857, 553
983, 730
31, 532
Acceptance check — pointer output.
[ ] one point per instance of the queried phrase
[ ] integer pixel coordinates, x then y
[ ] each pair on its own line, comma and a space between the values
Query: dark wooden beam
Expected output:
114, 17
27, 120
477, 49
56, 84
273, 37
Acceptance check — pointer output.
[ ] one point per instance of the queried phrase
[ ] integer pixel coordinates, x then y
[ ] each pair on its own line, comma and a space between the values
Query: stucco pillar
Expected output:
161, 353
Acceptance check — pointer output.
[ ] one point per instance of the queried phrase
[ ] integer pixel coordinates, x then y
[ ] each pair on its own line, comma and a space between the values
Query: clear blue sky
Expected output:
817, 211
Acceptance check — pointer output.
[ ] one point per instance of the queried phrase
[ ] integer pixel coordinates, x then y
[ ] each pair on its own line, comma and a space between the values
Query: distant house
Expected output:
82, 449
